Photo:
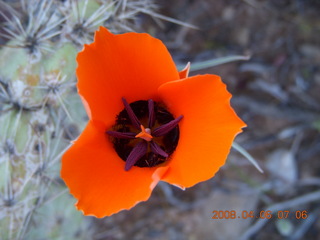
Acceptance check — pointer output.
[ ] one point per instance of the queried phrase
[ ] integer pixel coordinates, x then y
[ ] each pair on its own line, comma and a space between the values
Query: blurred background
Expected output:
276, 92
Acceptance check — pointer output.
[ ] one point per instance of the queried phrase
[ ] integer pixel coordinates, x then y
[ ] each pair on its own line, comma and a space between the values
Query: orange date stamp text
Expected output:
283, 214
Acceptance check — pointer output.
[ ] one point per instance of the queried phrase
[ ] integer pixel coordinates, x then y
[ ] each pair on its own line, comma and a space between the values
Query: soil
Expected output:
276, 93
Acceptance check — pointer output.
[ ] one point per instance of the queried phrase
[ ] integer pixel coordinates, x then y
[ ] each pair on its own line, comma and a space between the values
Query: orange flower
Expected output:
148, 122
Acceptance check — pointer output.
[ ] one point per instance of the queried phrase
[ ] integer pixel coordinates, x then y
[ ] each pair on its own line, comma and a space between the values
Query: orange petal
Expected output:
129, 65
184, 73
207, 130
95, 176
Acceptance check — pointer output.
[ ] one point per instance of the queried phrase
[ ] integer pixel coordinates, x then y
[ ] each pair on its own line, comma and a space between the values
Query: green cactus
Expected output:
40, 111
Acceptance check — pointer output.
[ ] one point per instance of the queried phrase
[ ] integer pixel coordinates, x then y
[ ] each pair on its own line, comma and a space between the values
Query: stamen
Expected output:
157, 149
164, 129
134, 120
144, 134
137, 152
125, 135
152, 116
157, 142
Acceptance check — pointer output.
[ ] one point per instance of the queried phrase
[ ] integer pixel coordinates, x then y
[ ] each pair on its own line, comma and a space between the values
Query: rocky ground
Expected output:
276, 92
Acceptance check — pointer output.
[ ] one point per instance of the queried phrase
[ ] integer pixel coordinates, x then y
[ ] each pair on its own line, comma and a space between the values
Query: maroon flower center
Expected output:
145, 134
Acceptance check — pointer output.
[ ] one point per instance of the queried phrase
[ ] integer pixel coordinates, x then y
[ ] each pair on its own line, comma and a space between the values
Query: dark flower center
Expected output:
145, 134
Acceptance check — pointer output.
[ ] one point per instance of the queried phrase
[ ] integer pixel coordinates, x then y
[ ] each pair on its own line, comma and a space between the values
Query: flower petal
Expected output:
95, 175
207, 131
184, 73
129, 65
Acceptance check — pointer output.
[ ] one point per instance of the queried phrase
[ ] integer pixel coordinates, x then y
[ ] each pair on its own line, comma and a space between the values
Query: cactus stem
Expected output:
8, 191
3, 88
9, 148
39, 29
83, 26
25, 224
58, 156
94, 20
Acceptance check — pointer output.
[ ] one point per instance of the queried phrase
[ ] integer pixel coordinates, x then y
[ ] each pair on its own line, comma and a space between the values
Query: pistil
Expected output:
144, 134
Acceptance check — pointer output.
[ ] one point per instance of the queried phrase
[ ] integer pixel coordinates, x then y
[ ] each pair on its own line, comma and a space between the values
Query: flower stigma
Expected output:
145, 134
144, 146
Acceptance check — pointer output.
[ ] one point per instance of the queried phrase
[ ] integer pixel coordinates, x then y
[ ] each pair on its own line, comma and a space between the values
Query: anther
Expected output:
151, 145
